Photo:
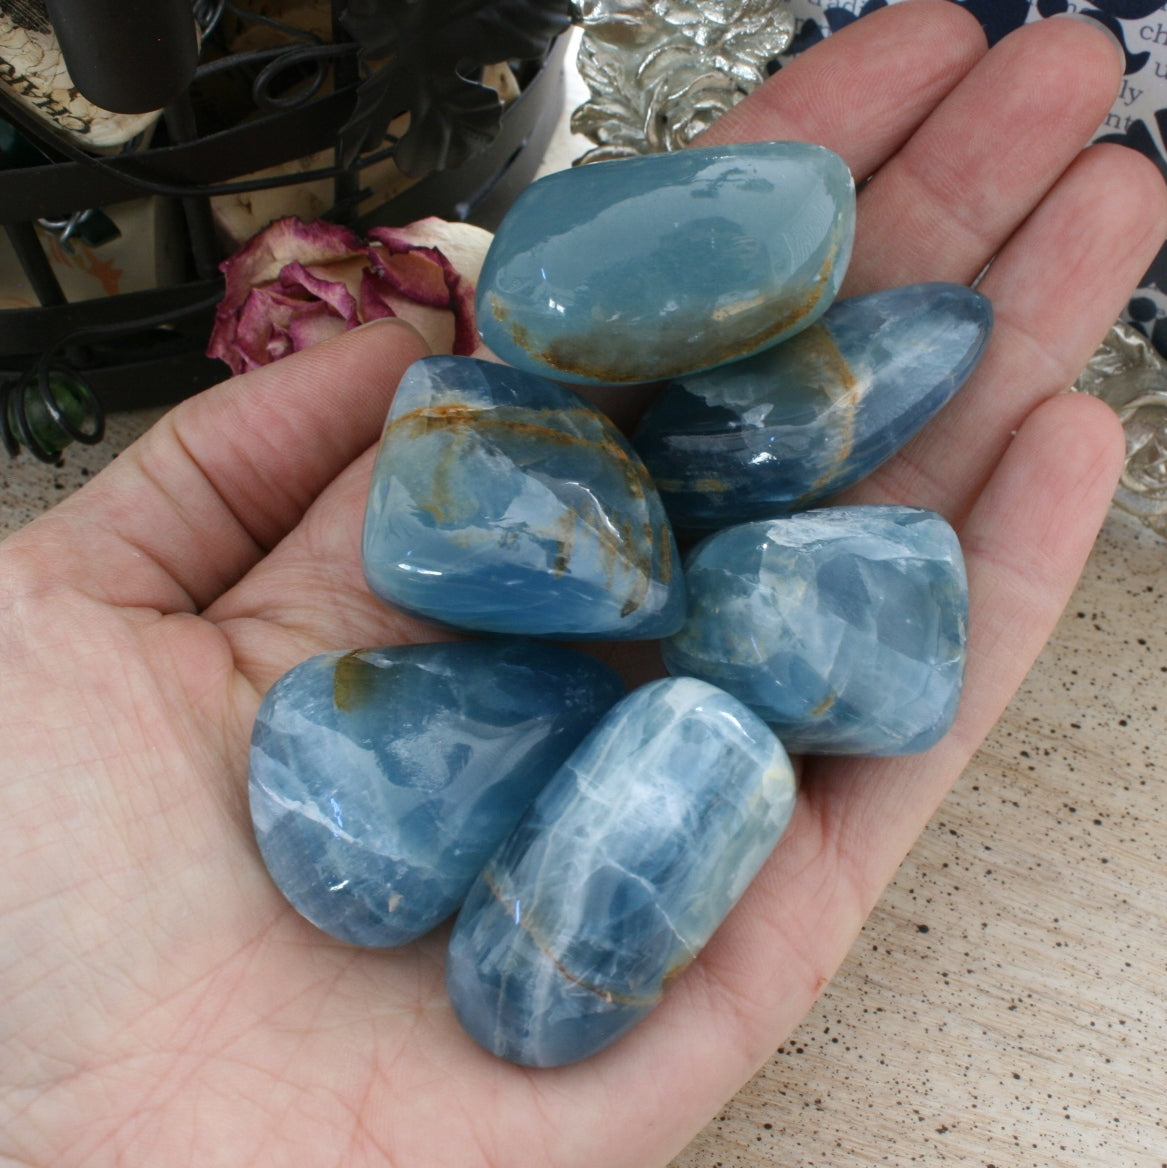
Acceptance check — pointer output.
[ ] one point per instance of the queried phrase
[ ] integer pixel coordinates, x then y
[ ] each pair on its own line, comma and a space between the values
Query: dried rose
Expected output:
298, 283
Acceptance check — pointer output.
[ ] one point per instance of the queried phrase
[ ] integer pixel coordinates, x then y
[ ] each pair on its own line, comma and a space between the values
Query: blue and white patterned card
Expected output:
1138, 117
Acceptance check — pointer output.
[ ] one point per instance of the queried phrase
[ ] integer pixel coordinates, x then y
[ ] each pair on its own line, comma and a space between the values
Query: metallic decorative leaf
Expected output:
1130, 375
421, 56
661, 71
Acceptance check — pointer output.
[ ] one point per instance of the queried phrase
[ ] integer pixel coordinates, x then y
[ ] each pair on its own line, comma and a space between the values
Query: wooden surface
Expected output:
1006, 1004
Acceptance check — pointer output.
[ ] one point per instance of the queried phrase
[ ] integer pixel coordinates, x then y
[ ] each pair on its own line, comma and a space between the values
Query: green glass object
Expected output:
49, 411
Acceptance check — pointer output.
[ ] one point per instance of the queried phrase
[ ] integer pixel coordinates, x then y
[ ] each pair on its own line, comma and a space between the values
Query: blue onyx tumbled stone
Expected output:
844, 628
650, 267
789, 426
504, 503
381, 780
619, 873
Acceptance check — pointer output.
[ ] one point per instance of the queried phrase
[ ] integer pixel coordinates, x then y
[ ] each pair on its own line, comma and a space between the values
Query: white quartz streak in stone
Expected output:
845, 629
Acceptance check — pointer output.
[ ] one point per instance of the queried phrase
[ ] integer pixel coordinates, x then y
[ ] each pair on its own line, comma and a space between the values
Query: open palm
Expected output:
162, 1006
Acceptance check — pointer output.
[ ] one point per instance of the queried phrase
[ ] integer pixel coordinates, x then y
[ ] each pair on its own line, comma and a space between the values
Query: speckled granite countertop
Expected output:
1006, 1004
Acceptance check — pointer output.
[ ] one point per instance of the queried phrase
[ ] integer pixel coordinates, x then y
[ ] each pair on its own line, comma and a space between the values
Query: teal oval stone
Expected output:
503, 503
784, 429
619, 873
381, 780
652, 267
845, 629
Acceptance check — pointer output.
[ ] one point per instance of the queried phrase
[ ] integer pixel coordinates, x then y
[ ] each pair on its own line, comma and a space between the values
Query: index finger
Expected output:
207, 491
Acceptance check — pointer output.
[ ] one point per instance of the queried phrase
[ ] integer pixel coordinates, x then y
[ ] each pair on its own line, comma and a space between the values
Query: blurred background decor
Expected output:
143, 141
661, 71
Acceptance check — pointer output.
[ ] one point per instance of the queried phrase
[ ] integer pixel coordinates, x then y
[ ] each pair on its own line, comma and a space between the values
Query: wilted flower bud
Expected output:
298, 283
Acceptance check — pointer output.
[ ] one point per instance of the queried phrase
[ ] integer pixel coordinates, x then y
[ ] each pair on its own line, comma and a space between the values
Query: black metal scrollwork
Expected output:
332, 91
422, 58
48, 409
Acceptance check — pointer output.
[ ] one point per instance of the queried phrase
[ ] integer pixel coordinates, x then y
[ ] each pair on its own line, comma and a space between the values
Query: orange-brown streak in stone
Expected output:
544, 947
578, 356
708, 486
628, 545
352, 681
845, 392
683, 961
665, 543
564, 541
828, 701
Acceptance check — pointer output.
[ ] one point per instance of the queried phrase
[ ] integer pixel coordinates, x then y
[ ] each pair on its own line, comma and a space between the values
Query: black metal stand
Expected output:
147, 348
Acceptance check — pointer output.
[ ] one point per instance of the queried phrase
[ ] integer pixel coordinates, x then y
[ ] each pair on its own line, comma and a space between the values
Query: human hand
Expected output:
163, 1005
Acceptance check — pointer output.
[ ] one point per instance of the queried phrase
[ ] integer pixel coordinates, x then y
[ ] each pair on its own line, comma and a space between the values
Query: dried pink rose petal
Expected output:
297, 283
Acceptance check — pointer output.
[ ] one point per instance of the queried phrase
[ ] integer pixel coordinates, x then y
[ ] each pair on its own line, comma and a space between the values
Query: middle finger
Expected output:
942, 205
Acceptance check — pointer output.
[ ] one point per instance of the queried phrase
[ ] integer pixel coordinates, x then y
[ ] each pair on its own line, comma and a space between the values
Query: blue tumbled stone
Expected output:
624, 866
646, 268
381, 780
789, 426
845, 628
504, 503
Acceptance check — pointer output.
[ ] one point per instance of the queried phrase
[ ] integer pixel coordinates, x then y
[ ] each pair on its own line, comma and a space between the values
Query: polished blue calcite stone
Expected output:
381, 780
504, 503
646, 268
618, 874
789, 426
844, 628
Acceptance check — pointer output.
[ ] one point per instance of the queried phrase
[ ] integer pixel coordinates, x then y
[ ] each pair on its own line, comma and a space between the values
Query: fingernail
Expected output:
396, 321
1089, 20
